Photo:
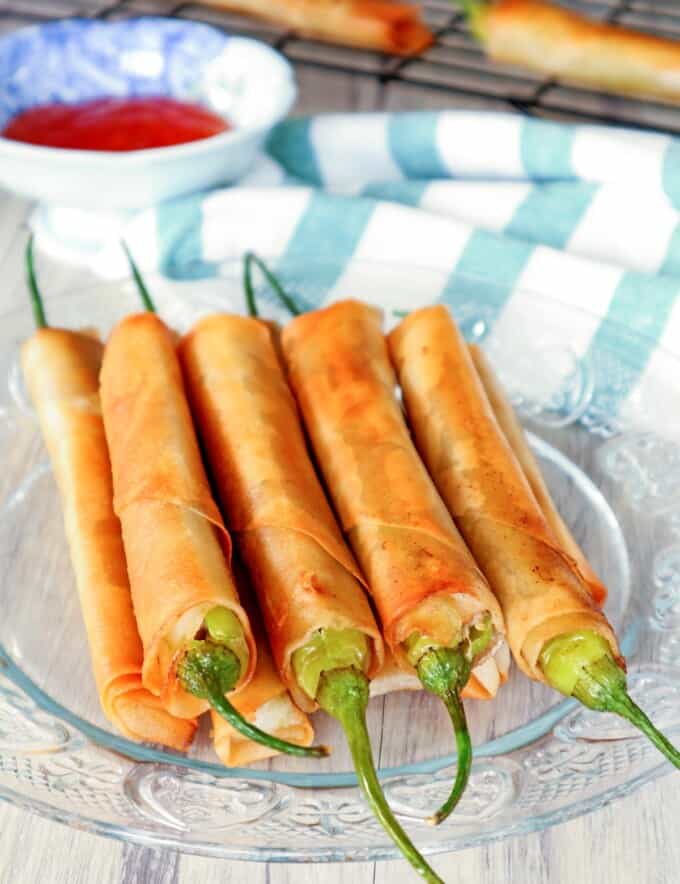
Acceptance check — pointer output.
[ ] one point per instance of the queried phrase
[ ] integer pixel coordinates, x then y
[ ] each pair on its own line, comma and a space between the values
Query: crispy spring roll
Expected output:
513, 432
176, 545
432, 599
324, 638
304, 575
62, 374
383, 25
484, 487
421, 574
557, 632
264, 701
551, 40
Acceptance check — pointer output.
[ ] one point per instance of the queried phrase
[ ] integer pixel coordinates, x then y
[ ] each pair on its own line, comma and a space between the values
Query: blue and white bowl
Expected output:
243, 80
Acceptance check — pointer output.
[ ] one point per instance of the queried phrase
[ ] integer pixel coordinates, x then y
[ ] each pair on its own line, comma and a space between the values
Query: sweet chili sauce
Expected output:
117, 124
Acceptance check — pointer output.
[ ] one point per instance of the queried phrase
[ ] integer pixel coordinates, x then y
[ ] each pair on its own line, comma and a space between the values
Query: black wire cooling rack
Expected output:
454, 64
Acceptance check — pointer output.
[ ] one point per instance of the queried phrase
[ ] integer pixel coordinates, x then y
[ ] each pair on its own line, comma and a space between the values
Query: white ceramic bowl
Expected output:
243, 80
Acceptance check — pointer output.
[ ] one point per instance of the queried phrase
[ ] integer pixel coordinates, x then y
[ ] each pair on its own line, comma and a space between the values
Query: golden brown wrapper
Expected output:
304, 576
411, 552
485, 489
176, 545
513, 432
560, 43
385, 25
61, 369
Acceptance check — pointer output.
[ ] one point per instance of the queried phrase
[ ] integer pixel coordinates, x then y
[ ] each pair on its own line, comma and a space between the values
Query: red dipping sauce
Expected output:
118, 124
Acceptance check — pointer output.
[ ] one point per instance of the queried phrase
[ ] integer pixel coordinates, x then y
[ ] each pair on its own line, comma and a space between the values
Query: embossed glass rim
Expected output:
495, 748
152, 838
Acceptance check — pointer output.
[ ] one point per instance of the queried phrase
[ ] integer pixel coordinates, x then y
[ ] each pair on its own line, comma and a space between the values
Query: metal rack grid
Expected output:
454, 64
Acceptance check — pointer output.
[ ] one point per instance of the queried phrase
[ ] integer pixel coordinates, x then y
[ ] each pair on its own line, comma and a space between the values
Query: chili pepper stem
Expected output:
454, 704
602, 687
475, 13
139, 279
224, 708
31, 279
248, 287
343, 693
209, 671
445, 672
288, 302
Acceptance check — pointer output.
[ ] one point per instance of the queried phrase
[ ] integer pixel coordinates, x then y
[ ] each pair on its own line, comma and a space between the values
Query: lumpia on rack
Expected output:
385, 25
549, 39
437, 611
324, 638
198, 644
61, 369
557, 631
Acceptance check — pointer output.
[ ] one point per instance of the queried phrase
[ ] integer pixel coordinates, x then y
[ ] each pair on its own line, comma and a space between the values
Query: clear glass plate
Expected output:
616, 478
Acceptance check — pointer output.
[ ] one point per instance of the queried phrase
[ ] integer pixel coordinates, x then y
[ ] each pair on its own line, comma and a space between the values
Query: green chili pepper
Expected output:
444, 672
211, 667
581, 665
331, 669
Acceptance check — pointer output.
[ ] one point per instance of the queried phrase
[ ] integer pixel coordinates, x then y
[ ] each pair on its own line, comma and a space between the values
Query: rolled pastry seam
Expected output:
422, 576
176, 544
61, 369
486, 490
391, 27
513, 432
551, 40
304, 575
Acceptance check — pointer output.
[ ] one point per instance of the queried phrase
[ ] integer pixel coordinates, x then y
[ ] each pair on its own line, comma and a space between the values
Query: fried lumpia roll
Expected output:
324, 638
485, 488
264, 701
557, 631
176, 545
385, 25
304, 575
546, 38
513, 432
432, 599
61, 369
421, 574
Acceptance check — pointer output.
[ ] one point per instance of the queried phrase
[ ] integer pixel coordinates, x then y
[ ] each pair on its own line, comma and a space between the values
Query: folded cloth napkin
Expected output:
496, 203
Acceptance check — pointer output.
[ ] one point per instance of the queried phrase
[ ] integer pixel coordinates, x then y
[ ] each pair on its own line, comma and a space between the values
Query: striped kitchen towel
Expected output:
495, 203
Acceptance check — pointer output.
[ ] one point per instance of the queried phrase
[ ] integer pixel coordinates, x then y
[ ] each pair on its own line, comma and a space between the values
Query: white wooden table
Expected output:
633, 841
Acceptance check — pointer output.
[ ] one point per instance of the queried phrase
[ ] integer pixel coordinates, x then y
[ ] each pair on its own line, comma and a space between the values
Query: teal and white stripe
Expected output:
495, 203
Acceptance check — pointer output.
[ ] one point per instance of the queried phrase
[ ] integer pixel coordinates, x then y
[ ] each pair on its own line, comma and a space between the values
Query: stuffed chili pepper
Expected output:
61, 369
548, 39
513, 432
438, 614
264, 701
323, 635
556, 629
198, 643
